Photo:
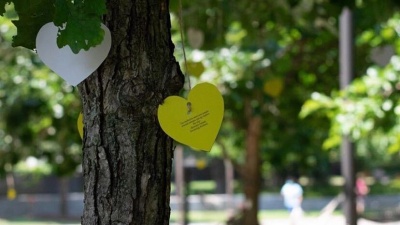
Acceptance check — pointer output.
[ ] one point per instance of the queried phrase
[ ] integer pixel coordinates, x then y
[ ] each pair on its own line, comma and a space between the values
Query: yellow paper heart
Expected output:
80, 125
195, 68
273, 87
196, 125
11, 194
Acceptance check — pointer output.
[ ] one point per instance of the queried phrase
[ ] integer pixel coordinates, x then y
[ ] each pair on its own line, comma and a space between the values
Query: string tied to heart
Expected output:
189, 104
183, 44
189, 107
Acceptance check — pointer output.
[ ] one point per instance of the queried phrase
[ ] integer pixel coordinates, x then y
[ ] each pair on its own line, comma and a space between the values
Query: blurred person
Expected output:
292, 194
361, 192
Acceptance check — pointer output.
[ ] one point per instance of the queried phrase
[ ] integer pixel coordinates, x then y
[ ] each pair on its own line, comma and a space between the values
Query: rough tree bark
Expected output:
126, 156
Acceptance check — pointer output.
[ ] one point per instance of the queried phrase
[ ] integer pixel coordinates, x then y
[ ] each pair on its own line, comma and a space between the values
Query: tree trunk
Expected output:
252, 175
126, 155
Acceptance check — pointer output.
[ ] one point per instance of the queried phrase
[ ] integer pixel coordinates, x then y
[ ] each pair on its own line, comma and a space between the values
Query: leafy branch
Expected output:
79, 21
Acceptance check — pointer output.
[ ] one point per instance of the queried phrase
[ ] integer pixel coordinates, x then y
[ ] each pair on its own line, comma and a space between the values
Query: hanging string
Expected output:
183, 44
189, 104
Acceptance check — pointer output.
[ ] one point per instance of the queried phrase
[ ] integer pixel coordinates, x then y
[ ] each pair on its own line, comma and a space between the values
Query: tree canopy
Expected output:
38, 111
273, 56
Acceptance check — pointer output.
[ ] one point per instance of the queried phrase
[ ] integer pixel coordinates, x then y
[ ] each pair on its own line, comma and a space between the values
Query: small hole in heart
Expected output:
189, 107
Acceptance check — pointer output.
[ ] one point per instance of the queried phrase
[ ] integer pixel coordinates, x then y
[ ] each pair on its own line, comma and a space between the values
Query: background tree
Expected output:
251, 48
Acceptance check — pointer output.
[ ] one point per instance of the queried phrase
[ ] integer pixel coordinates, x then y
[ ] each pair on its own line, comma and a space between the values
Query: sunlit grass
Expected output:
204, 187
222, 216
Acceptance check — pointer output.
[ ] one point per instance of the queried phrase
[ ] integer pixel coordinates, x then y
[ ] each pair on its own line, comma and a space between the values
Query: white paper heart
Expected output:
74, 68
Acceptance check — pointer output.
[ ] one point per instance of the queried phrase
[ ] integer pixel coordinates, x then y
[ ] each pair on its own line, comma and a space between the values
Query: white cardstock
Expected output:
74, 68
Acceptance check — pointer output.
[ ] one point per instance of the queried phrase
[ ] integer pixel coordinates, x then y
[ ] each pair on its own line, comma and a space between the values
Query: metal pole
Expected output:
346, 49
229, 179
346, 57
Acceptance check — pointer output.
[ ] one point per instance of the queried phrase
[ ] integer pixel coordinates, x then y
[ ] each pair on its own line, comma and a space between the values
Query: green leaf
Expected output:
318, 102
2, 6
332, 142
82, 21
309, 107
32, 16
61, 12
79, 21
81, 34
95, 7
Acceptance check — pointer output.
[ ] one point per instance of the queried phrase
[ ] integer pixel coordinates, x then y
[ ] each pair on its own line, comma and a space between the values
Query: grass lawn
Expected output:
222, 216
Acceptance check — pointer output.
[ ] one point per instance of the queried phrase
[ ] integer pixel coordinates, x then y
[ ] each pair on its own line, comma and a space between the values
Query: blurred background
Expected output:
276, 64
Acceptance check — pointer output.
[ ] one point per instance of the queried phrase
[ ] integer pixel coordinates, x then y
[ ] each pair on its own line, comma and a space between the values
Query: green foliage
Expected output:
368, 110
32, 16
38, 111
34, 167
368, 107
78, 21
